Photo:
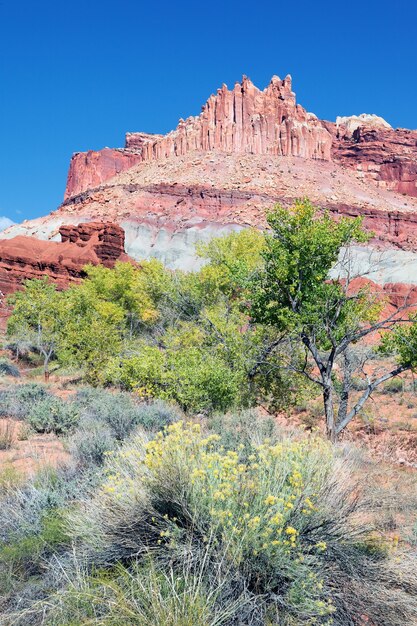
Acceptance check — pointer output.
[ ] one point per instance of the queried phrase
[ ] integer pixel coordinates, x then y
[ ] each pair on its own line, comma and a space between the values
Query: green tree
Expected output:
136, 290
91, 330
293, 294
36, 318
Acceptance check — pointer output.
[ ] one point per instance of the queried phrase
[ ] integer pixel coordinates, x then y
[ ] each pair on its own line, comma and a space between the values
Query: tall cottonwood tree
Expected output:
37, 318
330, 317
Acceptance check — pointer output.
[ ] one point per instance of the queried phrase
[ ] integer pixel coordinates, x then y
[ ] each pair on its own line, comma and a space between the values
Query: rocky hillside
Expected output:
220, 170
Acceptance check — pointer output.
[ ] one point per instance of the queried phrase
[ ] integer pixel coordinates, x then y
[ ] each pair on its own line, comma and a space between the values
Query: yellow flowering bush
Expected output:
279, 523
251, 508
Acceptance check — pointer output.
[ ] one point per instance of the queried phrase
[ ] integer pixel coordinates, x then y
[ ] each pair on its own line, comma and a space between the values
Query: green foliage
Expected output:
91, 330
202, 365
293, 290
52, 415
36, 317
402, 341
232, 261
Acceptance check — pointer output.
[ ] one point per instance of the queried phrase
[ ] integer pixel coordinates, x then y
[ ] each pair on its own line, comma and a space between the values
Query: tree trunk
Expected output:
329, 412
46, 368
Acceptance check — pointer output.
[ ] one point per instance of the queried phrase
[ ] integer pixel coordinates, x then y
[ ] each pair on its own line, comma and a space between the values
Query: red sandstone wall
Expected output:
386, 157
242, 120
90, 169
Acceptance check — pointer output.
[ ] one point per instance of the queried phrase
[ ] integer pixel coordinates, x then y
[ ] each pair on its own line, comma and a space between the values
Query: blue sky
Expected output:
77, 75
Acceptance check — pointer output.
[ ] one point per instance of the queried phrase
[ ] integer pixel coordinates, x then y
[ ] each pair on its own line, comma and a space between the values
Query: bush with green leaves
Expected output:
52, 415
19, 400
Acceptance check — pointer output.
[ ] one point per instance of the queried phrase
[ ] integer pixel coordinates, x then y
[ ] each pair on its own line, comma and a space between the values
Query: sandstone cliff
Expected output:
382, 155
219, 171
242, 120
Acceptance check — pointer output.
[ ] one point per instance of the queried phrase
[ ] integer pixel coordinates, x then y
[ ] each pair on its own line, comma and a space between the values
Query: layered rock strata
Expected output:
221, 170
379, 154
24, 258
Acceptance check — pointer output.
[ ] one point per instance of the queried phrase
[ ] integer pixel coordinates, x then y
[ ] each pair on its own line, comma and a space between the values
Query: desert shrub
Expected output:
24, 502
122, 413
25, 557
52, 415
289, 522
18, 401
394, 385
6, 434
358, 383
7, 368
90, 442
243, 428
155, 415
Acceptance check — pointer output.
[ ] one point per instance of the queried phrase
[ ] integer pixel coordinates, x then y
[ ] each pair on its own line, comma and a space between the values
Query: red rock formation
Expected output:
90, 169
242, 120
384, 156
26, 257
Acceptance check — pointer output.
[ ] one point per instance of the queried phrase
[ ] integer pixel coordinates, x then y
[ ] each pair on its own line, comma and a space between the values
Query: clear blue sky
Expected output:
77, 75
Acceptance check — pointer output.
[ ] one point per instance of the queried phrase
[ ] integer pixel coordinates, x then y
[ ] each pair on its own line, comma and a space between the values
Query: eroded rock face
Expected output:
24, 258
352, 122
386, 157
90, 169
242, 120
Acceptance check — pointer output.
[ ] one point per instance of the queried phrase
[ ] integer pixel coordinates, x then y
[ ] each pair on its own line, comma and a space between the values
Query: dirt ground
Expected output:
28, 453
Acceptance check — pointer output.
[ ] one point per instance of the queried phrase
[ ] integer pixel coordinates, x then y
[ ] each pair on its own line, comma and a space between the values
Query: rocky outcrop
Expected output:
352, 122
90, 169
244, 120
382, 155
24, 258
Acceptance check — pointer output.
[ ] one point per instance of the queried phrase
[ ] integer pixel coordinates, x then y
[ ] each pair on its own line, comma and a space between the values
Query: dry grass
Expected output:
7, 434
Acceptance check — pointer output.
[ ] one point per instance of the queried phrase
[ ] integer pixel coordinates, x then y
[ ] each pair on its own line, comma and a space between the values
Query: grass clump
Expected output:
143, 594
6, 434
393, 386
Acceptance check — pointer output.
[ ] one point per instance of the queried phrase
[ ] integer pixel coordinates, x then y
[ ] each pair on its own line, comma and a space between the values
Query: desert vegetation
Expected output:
182, 500
260, 323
